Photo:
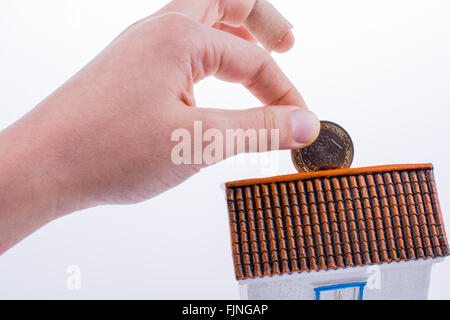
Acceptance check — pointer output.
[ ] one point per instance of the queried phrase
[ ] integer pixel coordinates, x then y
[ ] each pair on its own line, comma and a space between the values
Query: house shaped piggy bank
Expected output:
360, 233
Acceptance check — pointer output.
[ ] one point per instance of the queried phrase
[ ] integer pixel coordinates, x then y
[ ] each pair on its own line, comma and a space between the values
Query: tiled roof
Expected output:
334, 219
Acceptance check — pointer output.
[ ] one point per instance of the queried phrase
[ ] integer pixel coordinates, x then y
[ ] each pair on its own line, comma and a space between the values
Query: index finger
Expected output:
260, 17
233, 59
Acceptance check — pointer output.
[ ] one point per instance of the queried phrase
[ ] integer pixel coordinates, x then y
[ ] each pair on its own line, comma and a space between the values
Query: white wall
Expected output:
405, 280
379, 68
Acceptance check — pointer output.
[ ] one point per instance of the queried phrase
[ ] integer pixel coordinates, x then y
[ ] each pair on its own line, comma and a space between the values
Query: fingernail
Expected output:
285, 43
305, 126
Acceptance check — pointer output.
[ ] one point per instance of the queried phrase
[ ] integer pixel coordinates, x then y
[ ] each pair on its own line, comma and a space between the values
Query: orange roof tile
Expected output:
334, 219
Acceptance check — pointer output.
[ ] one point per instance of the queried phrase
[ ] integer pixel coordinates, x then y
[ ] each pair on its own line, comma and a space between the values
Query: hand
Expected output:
105, 136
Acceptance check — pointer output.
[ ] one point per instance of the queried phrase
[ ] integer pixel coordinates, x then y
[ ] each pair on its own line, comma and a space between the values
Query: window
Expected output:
343, 291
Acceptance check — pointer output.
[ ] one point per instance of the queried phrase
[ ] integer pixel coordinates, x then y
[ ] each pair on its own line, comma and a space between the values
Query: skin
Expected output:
103, 137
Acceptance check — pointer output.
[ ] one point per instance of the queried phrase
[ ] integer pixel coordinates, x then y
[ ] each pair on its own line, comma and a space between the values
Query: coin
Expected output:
333, 149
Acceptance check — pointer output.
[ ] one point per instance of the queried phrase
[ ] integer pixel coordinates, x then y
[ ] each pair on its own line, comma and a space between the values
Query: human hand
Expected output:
105, 136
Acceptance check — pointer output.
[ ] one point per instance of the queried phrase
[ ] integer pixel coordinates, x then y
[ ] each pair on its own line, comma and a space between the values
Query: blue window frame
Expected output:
361, 286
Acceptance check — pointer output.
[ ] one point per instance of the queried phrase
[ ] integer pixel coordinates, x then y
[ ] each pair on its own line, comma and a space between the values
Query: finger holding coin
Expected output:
333, 149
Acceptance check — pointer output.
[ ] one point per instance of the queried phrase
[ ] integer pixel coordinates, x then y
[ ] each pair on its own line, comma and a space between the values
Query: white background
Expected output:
380, 68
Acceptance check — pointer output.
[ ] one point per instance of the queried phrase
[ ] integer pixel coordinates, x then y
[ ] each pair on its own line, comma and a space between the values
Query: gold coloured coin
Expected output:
333, 149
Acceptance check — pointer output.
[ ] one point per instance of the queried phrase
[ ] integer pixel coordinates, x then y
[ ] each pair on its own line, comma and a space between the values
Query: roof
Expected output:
334, 219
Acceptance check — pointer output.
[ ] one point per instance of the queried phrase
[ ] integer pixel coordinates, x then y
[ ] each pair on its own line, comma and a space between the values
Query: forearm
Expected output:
30, 193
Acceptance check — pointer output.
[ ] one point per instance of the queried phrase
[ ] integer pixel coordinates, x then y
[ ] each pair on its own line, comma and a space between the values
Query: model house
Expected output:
361, 233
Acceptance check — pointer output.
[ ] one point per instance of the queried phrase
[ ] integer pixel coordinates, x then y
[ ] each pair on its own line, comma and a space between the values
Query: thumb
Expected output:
293, 126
